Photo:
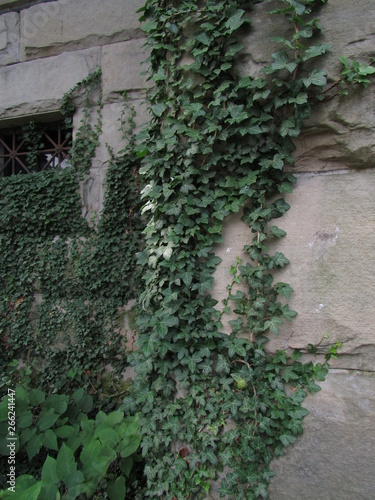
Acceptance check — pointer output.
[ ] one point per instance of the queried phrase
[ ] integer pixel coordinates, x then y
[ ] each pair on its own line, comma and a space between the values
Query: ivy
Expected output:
63, 283
217, 408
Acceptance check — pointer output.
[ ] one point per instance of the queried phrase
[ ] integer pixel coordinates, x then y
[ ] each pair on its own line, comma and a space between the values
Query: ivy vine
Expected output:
216, 408
62, 282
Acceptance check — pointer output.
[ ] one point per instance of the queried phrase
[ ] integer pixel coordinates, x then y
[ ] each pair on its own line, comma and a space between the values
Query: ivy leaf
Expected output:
158, 109
288, 313
186, 276
236, 21
284, 289
222, 365
276, 231
287, 439
316, 77
298, 414
163, 322
280, 260
204, 286
315, 51
273, 324
174, 425
261, 490
203, 38
237, 113
209, 456
280, 61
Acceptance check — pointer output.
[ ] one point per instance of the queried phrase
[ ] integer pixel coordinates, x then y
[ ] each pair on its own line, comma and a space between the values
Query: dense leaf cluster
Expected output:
62, 452
215, 407
62, 282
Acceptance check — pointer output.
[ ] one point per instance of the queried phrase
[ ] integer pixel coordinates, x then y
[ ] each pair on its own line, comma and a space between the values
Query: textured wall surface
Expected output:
47, 48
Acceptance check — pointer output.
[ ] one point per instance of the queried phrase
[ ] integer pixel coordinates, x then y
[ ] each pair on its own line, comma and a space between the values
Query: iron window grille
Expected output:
34, 148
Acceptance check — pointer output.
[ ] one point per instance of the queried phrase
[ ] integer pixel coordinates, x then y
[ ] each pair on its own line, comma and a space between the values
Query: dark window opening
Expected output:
34, 147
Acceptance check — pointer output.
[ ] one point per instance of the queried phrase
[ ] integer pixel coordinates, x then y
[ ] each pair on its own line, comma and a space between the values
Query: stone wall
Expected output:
48, 47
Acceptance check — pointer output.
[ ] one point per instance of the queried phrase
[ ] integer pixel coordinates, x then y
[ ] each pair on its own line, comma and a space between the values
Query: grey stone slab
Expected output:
122, 67
37, 86
9, 39
53, 27
334, 459
330, 243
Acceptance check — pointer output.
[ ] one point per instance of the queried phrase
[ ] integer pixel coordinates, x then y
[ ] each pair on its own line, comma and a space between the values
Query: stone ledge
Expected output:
67, 25
37, 86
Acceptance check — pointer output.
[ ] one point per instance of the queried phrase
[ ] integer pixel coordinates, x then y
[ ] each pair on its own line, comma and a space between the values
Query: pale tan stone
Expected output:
9, 38
53, 27
333, 460
37, 86
122, 68
330, 242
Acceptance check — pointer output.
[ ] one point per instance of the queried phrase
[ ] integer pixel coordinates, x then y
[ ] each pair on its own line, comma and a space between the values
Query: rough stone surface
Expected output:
9, 39
334, 458
53, 27
330, 241
128, 74
340, 131
38, 86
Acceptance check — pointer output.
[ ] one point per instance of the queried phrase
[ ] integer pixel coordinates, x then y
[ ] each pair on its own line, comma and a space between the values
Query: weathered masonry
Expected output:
46, 47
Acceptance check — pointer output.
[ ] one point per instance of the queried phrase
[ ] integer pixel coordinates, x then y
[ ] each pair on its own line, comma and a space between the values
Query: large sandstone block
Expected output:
123, 69
340, 131
37, 86
9, 38
330, 242
53, 27
334, 459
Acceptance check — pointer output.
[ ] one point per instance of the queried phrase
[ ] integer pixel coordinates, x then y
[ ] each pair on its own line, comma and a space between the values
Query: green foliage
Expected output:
62, 282
61, 451
32, 134
213, 407
355, 73
217, 407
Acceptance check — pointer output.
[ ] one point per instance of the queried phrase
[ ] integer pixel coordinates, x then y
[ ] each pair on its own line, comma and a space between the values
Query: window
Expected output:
34, 147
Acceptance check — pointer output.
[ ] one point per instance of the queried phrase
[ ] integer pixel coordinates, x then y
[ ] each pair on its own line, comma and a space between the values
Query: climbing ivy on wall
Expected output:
63, 282
216, 408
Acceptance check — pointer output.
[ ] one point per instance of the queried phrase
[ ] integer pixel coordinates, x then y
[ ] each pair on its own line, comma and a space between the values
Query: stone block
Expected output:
9, 38
329, 242
334, 459
340, 131
37, 86
122, 68
54, 27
